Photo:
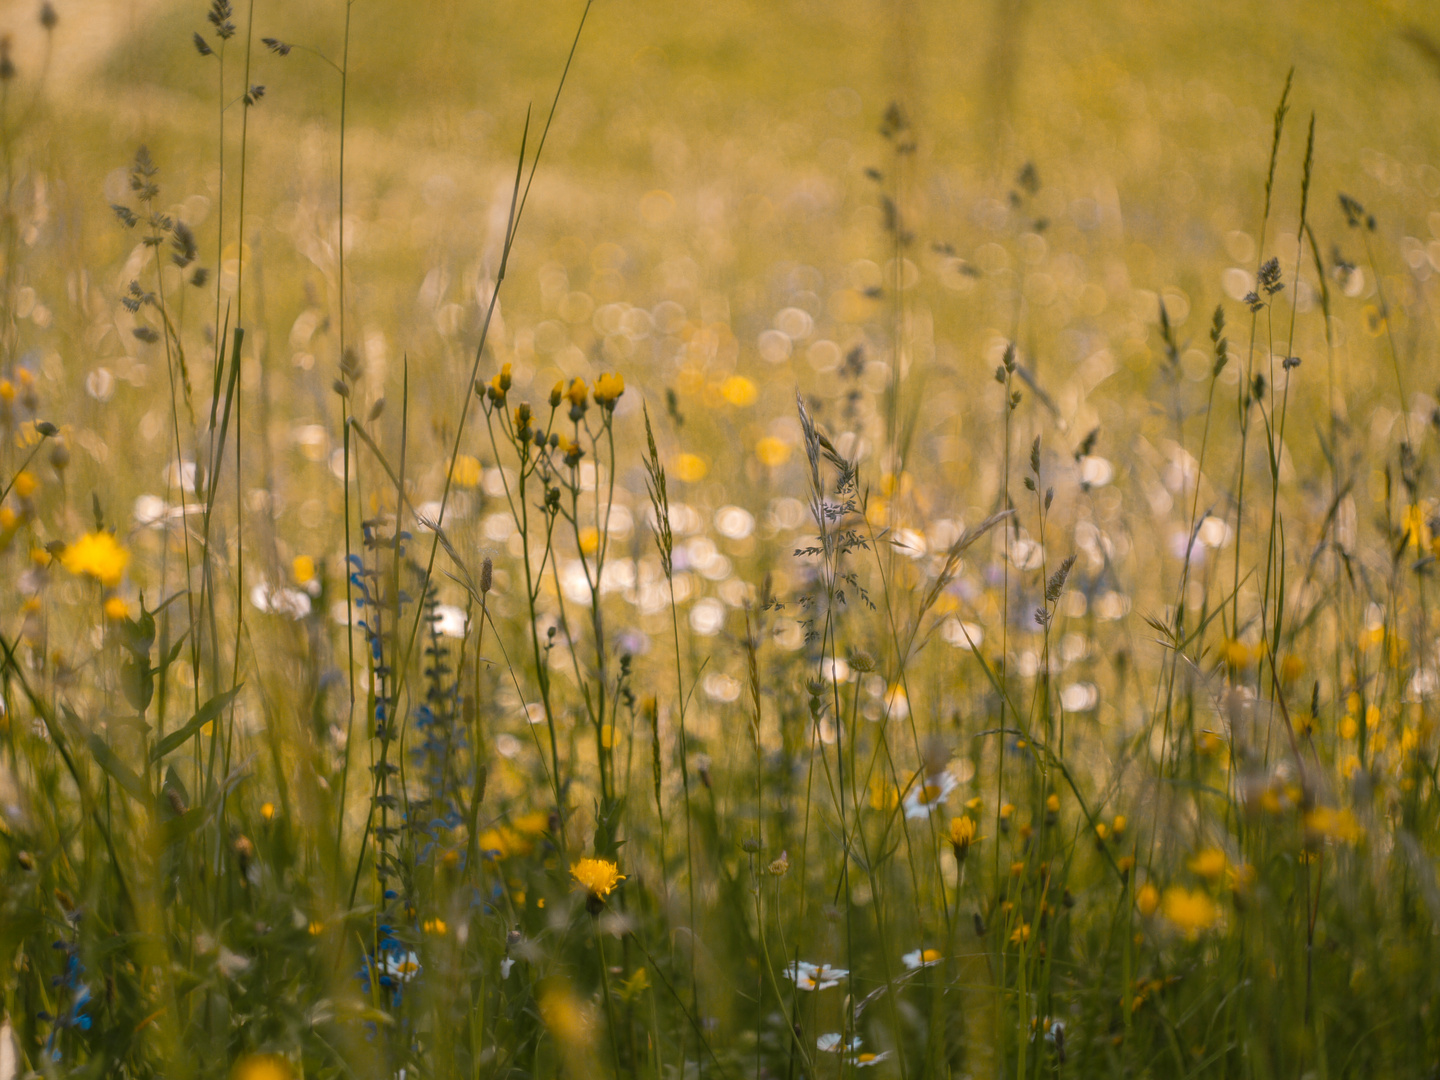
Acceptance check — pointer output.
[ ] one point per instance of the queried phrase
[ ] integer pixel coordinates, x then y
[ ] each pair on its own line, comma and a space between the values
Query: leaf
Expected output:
121, 773
208, 712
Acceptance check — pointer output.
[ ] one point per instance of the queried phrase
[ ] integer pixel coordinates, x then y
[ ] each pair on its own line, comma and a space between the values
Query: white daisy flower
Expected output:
831, 1043
808, 976
402, 966
921, 958
923, 797
866, 1060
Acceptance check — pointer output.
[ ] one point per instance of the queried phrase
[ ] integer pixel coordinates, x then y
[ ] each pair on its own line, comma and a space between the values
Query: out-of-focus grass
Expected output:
1117, 838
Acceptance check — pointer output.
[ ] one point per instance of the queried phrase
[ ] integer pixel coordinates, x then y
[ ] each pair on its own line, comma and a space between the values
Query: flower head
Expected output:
921, 958
866, 1060
263, 1067
962, 835
608, 389
98, 554
808, 976
1189, 911
924, 797
401, 965
598, 877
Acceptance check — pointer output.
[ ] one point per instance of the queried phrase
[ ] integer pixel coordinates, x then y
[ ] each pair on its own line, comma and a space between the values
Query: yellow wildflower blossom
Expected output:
99, 555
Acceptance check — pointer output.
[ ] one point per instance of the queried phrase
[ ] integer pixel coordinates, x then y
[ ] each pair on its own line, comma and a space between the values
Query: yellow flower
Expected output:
267, 810
1118, 825
589, 540
115, 608
25, 484
1021, 933
1236, 653
557, 394
1052, 804
262, 1067
1147, 900
772, 451
303, 567
608, 389
535, 823
1327, 823
1291, 667
883, 794
1209, 863
690, 468
1189, 911
435, 926
465, 471
962, 835
738, 390
579, 395
598, 876
99, 555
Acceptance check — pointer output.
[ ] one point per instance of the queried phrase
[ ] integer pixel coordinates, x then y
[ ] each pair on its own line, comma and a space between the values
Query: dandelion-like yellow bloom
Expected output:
598, 876
1147, 900
1236, 653
1327, 823
690, 468
579, 395
116, 608
465, 471
1189, 911
1209, 863
262, 1067
25, 484
772, 451
99, 555
962, 835
608, 389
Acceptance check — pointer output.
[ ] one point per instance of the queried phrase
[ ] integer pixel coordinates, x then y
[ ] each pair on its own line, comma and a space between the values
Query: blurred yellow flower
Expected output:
303, 567
962, 835
579, 394
262, 1067
465, 471
1209, 863
115, 608
608, 389
24, 484
772, 452
598, 876
738, 390
566, 1018
589, 540
1327, 823
1147, 900
690, 468
1190, 912
99, 555
1236, 653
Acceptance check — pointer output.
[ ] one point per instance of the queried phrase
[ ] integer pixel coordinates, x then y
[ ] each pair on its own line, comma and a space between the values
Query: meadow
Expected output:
772, 540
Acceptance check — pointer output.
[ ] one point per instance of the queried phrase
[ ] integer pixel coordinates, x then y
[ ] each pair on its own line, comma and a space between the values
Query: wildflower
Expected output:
962, 835
567, 1019
866, 1060
267, 810
772, 452
262, 1067
1147, 900
808, 976
24, 484
99, 555
303, 568
779, 867
557, 394
1236, 653
1190, 912
608, 389
579, 395
923, 798
599, 878
831, 1043
1327, 823
738, 390
921, 958
434, 926
1209, 863
1020, 934
690, 468
465, 471
116, 608
883, 794
401, 965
